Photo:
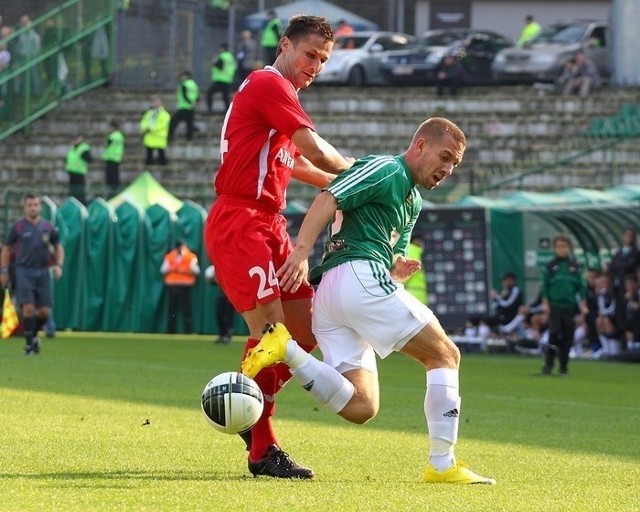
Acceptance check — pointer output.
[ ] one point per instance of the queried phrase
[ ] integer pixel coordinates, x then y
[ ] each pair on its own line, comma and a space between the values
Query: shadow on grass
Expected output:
504, 398
171, 476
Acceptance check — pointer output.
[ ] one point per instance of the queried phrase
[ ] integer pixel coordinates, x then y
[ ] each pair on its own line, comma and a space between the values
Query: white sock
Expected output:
442, 410
324, 382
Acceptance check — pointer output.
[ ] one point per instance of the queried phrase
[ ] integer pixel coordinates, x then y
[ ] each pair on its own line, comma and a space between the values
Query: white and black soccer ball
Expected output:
232, 403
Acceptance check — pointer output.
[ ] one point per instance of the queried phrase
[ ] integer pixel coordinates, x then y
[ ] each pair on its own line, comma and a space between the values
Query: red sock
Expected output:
270, 380
262, 434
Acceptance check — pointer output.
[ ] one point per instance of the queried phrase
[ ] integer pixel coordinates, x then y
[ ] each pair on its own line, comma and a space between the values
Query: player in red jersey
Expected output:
267, 139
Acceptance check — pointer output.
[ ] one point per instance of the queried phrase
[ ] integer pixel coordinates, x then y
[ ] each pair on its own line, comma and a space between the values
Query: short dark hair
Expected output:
302, 25
509, 275
29, 195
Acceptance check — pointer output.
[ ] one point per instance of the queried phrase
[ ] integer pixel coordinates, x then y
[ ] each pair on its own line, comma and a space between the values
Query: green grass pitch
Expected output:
113, 422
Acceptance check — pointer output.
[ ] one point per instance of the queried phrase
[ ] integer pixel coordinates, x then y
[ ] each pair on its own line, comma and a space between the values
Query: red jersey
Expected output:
256, 152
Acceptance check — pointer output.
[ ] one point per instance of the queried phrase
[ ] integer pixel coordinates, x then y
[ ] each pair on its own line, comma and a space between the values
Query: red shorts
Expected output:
247, 245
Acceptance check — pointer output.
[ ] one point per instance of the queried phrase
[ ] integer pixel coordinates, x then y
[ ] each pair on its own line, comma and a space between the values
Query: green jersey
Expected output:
562, 283
379, 205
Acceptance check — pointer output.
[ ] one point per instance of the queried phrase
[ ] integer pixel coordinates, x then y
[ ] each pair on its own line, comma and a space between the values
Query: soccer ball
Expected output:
232, 403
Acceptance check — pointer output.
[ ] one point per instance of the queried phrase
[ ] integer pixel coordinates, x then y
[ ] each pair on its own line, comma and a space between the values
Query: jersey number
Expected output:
271, 280
224, 142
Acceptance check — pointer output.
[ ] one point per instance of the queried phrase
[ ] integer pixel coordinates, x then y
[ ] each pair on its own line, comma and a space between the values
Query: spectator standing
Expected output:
187, 96
154, 127
343, 29
12, 46
225, 312
27, 48
530, 30
7, 104
30, 240
580, 76
5, 60
112, 157
631, 313
626, 259
608, 316
5, 57
95, 48
271, 37
223, 71
562, 282
180, 269
100, 50
247, 56
592, 304
449, 74
50, 39
77, 165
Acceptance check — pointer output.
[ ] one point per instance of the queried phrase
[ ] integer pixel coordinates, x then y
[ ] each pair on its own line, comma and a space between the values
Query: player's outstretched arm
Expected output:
295, 270
308, 173
319, 152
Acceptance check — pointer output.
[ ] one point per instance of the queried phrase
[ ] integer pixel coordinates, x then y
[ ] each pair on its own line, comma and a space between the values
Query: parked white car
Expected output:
355, 59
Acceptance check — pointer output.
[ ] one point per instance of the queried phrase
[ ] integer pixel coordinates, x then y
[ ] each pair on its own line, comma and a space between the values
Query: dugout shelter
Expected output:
114, 250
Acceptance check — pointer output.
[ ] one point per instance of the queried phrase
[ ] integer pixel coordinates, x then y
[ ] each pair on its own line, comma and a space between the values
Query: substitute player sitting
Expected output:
267, 139
360, 310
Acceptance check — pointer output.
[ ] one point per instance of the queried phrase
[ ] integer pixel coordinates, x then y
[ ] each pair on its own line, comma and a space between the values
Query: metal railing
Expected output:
59, 55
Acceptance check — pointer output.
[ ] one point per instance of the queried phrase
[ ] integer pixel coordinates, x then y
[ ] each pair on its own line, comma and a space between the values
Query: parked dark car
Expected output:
544, 58
475, 49
355, 59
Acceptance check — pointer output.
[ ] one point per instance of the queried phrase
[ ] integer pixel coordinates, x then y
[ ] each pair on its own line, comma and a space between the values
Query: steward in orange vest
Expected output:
180, 269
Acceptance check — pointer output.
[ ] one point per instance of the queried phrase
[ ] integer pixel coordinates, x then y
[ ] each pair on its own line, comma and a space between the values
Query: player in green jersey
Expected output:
360, 309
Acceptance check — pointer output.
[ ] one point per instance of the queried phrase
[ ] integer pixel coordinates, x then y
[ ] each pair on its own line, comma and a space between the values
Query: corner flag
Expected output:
9, 316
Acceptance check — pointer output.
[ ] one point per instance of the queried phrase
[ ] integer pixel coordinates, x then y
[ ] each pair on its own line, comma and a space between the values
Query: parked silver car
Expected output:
543, 59
355, 59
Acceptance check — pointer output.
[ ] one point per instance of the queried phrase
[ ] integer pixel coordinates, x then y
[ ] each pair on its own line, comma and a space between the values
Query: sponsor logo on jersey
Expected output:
285, 157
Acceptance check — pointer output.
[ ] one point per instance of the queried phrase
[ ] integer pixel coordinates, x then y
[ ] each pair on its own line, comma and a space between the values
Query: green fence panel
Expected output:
151, 304
70, 297
506, 244
100, 233
124, 268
